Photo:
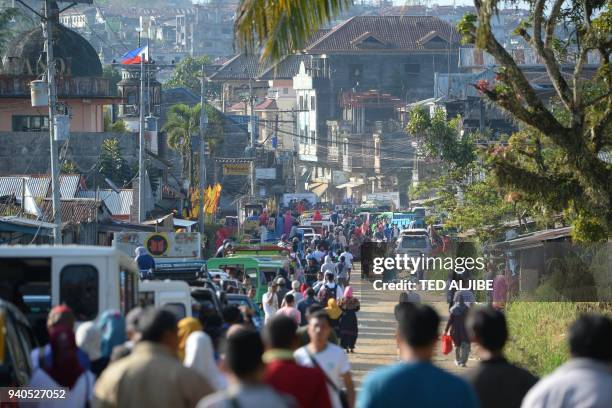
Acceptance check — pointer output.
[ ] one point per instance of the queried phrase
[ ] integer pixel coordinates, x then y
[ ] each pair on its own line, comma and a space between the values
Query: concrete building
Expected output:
82, 91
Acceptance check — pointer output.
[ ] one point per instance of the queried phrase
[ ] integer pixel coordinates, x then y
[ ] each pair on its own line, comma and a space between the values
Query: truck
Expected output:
88, 279
169, 294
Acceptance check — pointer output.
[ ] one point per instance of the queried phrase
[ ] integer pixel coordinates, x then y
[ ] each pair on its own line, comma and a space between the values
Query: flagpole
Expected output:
141, 149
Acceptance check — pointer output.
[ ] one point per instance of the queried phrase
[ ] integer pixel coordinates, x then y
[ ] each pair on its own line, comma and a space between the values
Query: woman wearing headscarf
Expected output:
328, 266
334, 312
196, 351
112, 326
89, 339
65, 371
458, 332
348, 322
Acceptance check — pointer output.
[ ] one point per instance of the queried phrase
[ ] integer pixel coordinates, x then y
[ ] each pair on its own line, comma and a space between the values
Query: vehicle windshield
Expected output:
239, 301
416, 241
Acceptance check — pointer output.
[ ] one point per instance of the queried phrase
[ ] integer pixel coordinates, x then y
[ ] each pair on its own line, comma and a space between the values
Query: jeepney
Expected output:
90, 280
259, 270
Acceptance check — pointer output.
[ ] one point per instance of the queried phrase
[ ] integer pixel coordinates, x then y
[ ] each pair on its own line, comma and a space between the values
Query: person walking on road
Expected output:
586, 379
330, 358
151, 376
416, 381
328, 265
349, 328
289, 309
64, 372
303, 305
307, 385
246, 370
196, 351
335, 313
270, 302
458, 331
498, 383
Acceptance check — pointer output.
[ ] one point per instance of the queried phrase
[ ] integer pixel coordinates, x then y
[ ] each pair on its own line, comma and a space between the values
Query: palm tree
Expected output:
282, 27
184, 122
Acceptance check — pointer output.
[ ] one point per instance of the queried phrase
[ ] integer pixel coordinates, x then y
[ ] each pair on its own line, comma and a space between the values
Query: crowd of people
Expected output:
150, 358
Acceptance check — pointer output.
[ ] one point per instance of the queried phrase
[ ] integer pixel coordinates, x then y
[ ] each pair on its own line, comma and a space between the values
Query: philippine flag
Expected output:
135, 56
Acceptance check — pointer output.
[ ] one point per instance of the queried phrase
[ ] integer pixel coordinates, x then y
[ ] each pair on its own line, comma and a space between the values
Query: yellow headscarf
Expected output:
332, 309
186, 326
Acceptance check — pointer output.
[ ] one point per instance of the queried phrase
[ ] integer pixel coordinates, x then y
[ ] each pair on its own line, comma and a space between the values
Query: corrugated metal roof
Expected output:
118, 204
11, 186
390, 33
73, 211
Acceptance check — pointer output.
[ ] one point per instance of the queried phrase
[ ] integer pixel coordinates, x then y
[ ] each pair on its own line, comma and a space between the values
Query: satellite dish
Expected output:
112, 185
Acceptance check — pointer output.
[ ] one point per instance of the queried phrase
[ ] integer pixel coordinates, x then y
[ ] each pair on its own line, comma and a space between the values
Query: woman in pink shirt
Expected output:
289, 309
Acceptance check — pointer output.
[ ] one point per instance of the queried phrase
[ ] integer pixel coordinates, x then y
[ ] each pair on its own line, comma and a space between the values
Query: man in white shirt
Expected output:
348, 261
270, 301
328, 357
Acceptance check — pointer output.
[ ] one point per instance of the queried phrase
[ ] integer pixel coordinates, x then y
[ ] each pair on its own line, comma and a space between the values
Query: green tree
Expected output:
441, 139
281, 27
69, 167
184, 122
564, 143
187, 74
111, 163
113, 75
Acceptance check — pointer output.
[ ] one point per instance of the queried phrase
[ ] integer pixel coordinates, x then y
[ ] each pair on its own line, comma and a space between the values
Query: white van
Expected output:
171, 294
90, 280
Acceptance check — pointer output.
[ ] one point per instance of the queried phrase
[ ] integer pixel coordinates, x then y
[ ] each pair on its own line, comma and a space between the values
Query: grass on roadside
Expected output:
538, 332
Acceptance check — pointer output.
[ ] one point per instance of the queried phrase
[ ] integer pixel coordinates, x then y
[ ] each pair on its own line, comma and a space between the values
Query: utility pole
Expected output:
55, 181
203, 126
252, 131
141, 141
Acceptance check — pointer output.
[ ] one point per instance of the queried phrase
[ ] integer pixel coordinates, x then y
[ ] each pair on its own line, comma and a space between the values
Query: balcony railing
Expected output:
19, 86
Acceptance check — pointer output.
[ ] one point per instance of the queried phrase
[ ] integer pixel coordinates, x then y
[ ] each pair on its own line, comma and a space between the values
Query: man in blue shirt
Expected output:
416, 382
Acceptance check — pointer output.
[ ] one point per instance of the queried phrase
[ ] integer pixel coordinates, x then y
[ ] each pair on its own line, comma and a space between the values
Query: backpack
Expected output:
326, 293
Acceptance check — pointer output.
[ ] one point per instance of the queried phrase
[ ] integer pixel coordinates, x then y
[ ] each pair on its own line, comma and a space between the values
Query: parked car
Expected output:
16, 343
246, 302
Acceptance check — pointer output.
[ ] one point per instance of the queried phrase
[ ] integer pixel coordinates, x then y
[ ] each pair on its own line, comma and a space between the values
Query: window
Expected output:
146, 299
412, 68
313, 105
267, 276
79, 290
23, 123
285, 91
177, 309
301, 102
313, 136
355, 72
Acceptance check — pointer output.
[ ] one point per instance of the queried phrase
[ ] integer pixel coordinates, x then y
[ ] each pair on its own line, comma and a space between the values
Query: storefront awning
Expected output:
318, 188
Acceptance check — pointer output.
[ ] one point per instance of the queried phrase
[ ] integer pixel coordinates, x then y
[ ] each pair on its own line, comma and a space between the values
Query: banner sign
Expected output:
159, 244
236, 169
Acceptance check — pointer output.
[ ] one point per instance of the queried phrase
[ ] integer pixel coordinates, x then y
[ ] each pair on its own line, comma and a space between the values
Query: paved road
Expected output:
376, 343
